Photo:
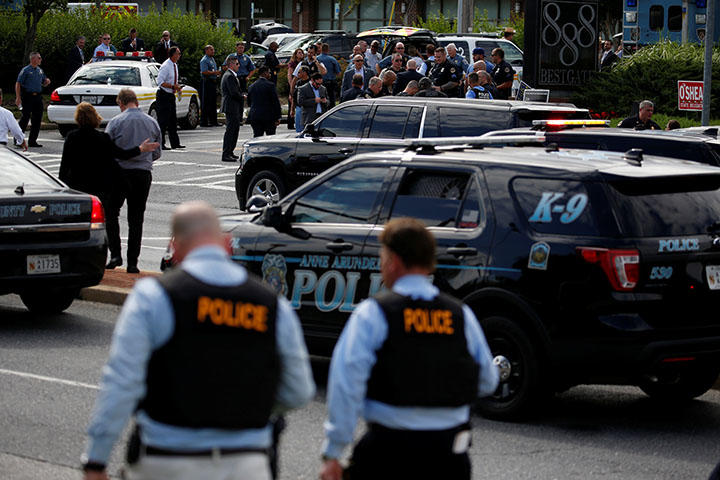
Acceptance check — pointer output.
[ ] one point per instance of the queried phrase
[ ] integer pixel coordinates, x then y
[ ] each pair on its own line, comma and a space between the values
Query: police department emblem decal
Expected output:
274, 270
539, 254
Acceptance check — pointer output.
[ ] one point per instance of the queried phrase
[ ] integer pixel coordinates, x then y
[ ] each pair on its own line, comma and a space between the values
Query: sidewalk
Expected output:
115, 286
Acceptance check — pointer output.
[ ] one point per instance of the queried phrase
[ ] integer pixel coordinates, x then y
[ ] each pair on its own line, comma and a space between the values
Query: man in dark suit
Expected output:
163, 47
232, 101
312, 97
403, 78
357, 68
132, 43
264, 115
272, 62
76, 57
355, 92
608, 58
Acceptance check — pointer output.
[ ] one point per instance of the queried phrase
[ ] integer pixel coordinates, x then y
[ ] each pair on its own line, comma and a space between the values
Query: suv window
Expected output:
345, 122
436, 198
563, 207
459, 122
389, 122
348, 197
667, 206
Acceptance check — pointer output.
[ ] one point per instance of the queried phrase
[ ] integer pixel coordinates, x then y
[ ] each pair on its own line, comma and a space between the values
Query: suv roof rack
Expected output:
474, 34
428, 144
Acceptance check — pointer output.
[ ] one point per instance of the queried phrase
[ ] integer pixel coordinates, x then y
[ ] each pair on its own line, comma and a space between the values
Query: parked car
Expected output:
388, 36
52, 238
273, 166
581, 266
282, 38
99, 83
260, 31
340, 42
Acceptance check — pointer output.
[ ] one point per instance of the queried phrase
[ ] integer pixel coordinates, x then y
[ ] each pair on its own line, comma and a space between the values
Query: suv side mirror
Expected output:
272, 216
310, 130
256, 203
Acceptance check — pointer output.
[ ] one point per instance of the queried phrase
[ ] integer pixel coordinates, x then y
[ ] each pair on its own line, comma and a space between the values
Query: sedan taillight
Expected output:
621, 267
54, 97
97, 216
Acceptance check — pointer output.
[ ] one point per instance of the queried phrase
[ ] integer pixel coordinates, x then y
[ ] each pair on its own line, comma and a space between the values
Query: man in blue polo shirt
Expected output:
28, 96
330, 77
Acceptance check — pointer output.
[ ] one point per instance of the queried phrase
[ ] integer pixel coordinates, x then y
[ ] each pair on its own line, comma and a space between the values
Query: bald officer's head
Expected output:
194, 224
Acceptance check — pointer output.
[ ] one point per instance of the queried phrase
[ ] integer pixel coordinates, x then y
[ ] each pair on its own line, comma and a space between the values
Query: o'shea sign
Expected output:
690, 95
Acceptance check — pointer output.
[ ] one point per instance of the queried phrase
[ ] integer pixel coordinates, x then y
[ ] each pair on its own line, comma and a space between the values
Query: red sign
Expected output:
690, 95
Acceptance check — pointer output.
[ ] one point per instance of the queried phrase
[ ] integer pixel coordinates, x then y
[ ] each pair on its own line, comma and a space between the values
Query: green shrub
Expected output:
651, 73
438, 23
58, 30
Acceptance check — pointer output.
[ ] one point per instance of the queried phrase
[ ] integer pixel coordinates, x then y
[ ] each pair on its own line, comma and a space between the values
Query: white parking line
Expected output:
146, 246
49, 379
201, 185
203, 178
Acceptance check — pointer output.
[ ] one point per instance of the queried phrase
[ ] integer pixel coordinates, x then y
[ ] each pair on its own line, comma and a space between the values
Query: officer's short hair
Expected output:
647, 104
374, 81
357, 80
304, 69
412, 84
473, 77
424, 83
325, 48
411, 241
499, 52
79, 37
34, 54
173, 51
237, 44
316, 76
430, 49
485, 76
126, 97
440, 50
207, 47
192, 218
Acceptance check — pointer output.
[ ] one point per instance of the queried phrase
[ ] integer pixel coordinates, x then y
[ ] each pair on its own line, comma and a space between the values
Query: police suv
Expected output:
99, 83
582, 266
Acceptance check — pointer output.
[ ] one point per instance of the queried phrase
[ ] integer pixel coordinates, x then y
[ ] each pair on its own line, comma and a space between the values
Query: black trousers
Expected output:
208, 114
263, 128
32, 111
167, 116
132, 185
331, 86
232, 129
384, 453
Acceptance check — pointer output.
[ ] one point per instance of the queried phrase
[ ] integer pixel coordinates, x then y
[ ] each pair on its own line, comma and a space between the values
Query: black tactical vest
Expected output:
220, 368
424, 360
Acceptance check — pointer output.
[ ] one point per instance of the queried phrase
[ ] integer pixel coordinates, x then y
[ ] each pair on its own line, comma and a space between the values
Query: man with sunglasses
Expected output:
105, 47
162, 48
387, 61
358, 68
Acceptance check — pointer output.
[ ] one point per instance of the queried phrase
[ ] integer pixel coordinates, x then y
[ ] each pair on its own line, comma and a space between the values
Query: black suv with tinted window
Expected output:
582, 266
273, 166
680, 144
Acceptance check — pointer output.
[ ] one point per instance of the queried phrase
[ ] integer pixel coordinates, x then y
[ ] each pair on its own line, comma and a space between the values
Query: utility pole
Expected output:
707, 70
684, 31
464, 16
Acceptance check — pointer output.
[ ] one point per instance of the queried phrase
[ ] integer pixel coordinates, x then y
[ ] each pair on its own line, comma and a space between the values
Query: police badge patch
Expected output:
539, 254
274, 270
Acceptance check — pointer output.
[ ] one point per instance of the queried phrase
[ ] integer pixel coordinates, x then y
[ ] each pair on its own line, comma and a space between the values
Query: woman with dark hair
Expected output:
88, 159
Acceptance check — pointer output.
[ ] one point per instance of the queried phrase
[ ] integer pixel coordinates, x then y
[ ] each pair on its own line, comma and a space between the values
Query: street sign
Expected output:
690, 95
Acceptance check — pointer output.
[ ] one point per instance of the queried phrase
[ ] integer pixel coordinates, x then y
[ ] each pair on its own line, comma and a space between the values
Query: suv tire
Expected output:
267, 183
520, 379
53, 301
689, 383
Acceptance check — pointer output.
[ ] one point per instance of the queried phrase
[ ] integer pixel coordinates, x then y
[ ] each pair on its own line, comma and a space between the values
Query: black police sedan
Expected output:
52, 238
273, 166
582, 266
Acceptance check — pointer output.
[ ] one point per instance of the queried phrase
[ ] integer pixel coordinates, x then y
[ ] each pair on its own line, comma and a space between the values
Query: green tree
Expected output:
33, 10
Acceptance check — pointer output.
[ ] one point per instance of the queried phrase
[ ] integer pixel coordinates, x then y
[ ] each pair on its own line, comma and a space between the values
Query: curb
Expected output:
105, 294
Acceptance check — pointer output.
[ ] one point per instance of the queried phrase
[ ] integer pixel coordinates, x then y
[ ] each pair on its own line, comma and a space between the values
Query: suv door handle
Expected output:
346, 150
461, 251
339, 246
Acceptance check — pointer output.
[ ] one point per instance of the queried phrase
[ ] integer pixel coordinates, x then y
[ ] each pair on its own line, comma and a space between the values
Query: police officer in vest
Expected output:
411, 360
503, 74
203, 355
446, 75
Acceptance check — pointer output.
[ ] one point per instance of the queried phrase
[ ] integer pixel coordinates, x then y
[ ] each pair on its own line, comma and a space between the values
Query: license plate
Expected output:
91, 99
712, 273
38, 264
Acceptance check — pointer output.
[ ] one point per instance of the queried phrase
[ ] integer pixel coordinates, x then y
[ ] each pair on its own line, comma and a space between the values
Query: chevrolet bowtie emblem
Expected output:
38, 208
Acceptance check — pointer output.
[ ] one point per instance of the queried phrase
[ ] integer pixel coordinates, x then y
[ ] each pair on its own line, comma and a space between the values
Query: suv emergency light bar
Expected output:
125, 56
474, 141
558, 124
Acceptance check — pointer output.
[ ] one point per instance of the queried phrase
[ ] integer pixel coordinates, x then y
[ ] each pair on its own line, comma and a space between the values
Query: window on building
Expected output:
657, 17
675, 18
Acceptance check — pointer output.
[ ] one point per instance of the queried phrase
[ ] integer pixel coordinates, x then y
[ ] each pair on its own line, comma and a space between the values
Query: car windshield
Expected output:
107, 75
17, 171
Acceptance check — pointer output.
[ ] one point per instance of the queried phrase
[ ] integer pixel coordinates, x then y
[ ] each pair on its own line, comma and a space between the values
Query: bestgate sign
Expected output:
690, 95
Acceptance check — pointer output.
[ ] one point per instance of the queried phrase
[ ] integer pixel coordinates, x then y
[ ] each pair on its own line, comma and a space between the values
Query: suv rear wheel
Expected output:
49, 301
688, 383
266, 183
518, 365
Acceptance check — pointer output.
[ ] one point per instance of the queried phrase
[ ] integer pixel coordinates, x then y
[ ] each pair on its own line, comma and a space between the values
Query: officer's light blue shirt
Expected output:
145, 324
105, 49
355, 355
385, 62
332, 66
460, 61
31, 79
207, 64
